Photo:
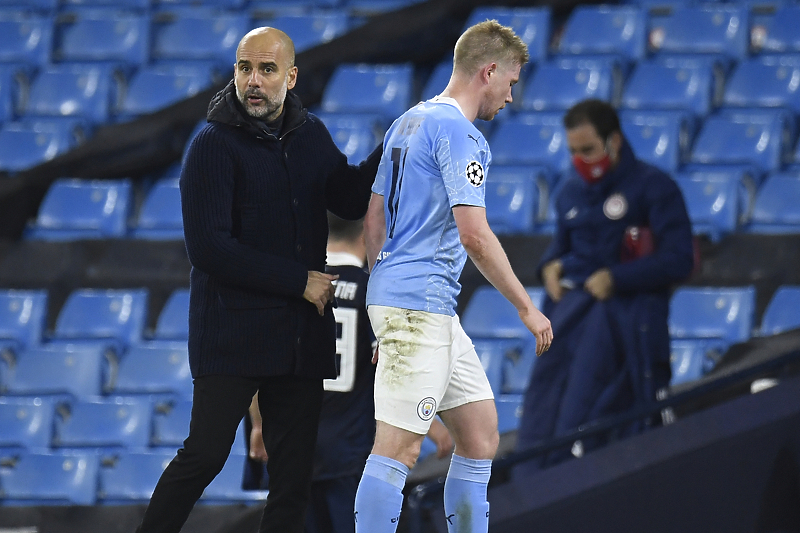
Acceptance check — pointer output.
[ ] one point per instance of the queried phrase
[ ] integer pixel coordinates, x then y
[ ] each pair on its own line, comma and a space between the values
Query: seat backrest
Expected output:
560, 84
381, 89
438, 80
721, 29
24, 145
68, 478
87, 91
12, 83
173, 321
118, 422
660, 138
155, 368
103, 35
712, 201
103, 314
778, 33
356, 135
777, 205
512, 199
531, 24
27, 422
171, 423
509, 412
25, 38
712, 312
489, 315
493, 353
160, 214
691, 359
605, 30
227, 485
23, 315
671, 85
313, 29
132, 476
135, 4
155, 87
531, 139
783, 312
765, 82
70, 369
198, 34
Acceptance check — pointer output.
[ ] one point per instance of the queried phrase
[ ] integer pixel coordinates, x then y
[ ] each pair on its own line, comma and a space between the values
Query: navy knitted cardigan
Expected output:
254, 212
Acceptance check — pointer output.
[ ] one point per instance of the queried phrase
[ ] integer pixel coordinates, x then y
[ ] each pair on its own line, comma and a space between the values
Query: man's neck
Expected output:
467, 93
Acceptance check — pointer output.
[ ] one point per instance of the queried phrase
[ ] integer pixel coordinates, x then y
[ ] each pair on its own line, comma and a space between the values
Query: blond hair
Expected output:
485, 42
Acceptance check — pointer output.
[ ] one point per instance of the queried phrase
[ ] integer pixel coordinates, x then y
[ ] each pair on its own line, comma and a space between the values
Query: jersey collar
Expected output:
336, 259
447, 100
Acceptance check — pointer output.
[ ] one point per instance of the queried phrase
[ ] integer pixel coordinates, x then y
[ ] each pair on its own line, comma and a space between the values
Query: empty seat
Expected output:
531, 24
118, 422
77, 370
117, 315
198, 34
717, 200
173, 321
765, 82
310, 30
50, 479
509, 412
783, 312
616, 30
160, 217
136, 4
380, 89
722, 30
489, 315
692, 359
778, 33
88, 91
25, 38
171, 423
102, 35
673, 84
27, 422
438, 80
156, 87
155, 368
660, 138
45, 6
227, 486
261, 9
513, 199
24, 145
517, 368
131, 477
561, 84
13, 82
745, 137
22, 317
777, 205
493, 354
79, 209
356, 135
724, 313
227, 4
531, 139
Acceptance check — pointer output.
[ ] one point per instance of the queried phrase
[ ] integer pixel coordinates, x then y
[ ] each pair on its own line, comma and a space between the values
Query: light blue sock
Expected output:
465, 505
379, 498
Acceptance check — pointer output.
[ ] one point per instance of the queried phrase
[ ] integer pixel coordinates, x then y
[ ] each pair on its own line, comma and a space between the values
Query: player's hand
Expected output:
539, 325
441, 437
551, 275
375, 355
600, 284
257, 450
319, 289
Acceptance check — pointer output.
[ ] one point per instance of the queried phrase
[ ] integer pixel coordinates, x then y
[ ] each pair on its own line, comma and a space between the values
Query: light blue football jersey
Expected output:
433, 159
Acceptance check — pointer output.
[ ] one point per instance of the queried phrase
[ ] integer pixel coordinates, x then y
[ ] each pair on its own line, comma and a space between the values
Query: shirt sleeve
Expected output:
463, 157
379, 185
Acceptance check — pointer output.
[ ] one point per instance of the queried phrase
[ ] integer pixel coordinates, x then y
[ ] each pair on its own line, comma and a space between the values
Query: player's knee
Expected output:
480, 446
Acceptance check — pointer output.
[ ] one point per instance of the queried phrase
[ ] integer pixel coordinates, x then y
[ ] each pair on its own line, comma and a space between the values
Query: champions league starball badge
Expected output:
475, 173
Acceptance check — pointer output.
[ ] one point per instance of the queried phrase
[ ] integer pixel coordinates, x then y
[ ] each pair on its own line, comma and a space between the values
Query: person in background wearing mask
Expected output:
622, 240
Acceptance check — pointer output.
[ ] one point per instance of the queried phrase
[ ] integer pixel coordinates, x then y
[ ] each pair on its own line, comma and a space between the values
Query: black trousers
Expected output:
290, 408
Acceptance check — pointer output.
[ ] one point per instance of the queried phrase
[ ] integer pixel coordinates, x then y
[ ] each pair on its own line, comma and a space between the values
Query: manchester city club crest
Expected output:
426, 408
475, 173
615, 206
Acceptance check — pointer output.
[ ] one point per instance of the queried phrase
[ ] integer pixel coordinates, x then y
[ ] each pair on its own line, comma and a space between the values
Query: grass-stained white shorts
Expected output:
426, 364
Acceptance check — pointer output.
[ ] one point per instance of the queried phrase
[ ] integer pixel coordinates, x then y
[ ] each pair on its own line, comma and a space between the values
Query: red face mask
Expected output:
592, 172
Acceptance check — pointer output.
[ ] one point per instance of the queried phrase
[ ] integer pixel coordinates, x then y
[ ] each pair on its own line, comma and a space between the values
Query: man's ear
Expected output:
615, 143
292, 78
488, 71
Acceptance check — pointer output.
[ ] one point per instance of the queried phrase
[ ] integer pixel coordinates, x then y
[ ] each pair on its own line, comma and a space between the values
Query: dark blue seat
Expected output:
783, 311
25, 38
156, 87
724, 313
777, 33
438, 79
226, 488
368, 8
131, 477
68, 478
198, 34
23, 314
356, 135
26, 144
770, 81
102, 424
173, 321
559, 84
493, 353
39, 6
27, 422
116, 315
313, 29
618, 30
263, 9
777, 205
103, 35
384, 90
531, 139
517, 368
660, 138
13, 82
673, 83
691, 359
509, 412
513, 199
158, 367
76, 209
75, 90
171, 423
160, 217
531, 24
489, 315
718, 29
134, 4
226, 4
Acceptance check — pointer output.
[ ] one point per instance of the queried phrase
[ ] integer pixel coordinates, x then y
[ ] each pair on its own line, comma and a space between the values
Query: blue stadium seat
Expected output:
226, 488
777, 33
27, 422
173, 321
155, 368
25, 38
777, 205
29, 6
368, 8
532, 24
198, 34
660, 138
356, 135
131, 477
13, 82
560, 84
160, 217
24, 145
769, 81
310, 30
724, 313
718, 200
513, 198
531, 139
509, 412
489, 315
692, 359
77, 370
438, 79
118, 315
385, 90
68, 478
133, 4
108, 423
83, 90
76, 209
783, 312
262, 9
493, 353
171, 423
517, 368
158, 86
719, 29
23, 315
760, 138
226, 4
673, 83
618, 30
103, 35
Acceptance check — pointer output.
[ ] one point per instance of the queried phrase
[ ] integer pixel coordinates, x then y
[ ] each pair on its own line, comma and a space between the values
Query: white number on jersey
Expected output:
346, 350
